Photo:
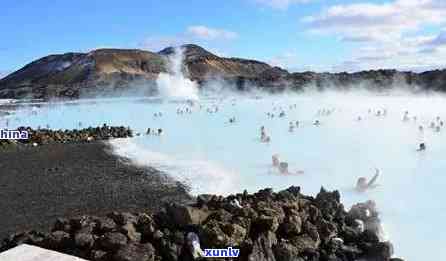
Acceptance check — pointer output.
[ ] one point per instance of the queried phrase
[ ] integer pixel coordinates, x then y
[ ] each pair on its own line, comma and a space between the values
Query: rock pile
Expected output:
265, 226
47, 136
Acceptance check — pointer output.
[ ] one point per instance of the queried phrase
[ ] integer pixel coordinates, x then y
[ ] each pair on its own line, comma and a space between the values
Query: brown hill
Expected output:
109, 70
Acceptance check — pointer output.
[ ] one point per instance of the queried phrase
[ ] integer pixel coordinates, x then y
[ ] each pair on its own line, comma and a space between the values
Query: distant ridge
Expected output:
72, 75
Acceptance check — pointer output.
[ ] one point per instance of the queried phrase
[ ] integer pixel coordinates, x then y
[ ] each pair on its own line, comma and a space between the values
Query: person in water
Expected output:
406, 116
291, 128
282, 166
275, 159
421, 141
262, 134
362, 184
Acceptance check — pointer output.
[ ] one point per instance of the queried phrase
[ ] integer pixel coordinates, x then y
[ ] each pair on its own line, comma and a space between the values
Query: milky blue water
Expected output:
213, 156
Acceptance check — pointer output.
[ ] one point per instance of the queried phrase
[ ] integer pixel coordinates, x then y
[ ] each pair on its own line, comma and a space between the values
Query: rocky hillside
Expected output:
264, 226
105, 71
67, 75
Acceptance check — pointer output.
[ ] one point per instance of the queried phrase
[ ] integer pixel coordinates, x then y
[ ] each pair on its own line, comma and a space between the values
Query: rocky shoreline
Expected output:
47, 136
265, 226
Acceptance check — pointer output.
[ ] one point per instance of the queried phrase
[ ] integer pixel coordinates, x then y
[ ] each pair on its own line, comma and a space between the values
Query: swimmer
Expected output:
362, 184
148, 131
406, 116
297, 124
291, 128
317, 123
422, 144
283, 168
160, 132
265, 139
275, 160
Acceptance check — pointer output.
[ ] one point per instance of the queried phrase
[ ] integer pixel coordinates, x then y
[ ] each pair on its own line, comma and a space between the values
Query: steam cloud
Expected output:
173, 84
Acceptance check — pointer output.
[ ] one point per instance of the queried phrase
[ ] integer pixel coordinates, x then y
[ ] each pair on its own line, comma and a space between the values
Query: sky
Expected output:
298, 35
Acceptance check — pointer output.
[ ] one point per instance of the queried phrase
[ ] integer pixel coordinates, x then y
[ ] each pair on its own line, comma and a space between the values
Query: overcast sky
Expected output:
319, 35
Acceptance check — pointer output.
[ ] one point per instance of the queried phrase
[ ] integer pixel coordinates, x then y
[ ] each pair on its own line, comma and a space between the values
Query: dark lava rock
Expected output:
113, 241
264, 226
46, 136
105, 224
135, 252
58, 240
84, 240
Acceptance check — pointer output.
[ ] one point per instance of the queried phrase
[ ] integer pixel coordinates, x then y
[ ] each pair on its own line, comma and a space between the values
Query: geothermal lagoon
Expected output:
203, 149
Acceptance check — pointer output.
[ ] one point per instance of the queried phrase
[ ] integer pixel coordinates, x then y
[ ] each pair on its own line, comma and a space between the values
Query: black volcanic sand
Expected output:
40, 184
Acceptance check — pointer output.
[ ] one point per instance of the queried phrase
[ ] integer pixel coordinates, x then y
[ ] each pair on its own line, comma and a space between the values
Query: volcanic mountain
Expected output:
110, 71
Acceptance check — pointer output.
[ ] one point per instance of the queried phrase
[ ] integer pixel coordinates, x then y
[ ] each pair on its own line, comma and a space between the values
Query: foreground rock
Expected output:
47, 136
265, 226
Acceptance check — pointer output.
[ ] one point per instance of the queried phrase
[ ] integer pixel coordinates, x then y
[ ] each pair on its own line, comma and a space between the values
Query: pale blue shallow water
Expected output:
213, 156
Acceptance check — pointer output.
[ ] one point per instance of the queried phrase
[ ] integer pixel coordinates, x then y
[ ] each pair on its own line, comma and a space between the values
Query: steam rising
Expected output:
198, 174
174, 85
